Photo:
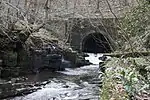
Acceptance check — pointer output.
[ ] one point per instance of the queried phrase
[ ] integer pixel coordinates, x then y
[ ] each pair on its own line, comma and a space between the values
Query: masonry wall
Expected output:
107, 27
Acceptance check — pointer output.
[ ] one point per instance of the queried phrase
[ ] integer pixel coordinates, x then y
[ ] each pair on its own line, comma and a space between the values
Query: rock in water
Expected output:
65, 64
36, 60
103, 58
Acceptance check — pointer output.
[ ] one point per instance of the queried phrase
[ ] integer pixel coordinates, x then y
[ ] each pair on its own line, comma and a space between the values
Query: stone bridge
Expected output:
94, 35
87, 34
90, 24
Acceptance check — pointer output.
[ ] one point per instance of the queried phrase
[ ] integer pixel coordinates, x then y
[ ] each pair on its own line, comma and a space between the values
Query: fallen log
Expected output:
128, 54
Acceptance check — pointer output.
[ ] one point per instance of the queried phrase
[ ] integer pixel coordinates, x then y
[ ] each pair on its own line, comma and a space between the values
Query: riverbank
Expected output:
28, 54
126, 79
39, 52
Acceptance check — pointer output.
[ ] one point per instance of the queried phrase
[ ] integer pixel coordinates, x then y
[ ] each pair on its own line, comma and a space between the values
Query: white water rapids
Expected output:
72, 84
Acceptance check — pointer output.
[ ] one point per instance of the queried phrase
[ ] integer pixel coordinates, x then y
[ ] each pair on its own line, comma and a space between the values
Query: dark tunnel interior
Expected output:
95, 43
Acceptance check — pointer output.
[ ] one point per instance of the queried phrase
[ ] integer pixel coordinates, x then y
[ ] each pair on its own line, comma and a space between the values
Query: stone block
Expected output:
65, 64
10, 59
55, 65
23, 59
54, 56
9, 72
71, 56
36, 62
82, 62
52, 61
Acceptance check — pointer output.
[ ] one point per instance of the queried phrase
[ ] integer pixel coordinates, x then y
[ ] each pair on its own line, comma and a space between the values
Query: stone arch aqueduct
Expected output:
79, 18
89, 18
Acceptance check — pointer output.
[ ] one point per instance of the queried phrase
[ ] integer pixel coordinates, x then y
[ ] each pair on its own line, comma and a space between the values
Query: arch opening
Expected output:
96, 43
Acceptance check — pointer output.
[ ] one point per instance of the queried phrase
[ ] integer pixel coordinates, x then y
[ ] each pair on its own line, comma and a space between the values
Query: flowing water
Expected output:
72, 84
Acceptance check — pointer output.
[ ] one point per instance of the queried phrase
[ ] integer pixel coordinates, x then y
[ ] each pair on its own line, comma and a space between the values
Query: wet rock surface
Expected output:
47, 58
72, 84
35, 60
17, 87
33, 53
27, 53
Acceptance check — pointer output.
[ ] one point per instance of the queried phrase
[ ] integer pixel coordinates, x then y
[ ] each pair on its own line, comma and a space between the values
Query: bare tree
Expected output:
98, 5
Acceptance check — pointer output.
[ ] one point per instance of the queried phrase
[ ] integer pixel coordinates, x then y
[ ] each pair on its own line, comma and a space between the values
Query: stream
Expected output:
72, 84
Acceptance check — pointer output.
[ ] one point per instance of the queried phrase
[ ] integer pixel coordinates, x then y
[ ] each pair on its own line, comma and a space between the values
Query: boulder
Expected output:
84, 54
10, 59
36, 59
65, 64
82, 62
103, 58
71, 56
23, 58
41, 59
8, 72
55, 61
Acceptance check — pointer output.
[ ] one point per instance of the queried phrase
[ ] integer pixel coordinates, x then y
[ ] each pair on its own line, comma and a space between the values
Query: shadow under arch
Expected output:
96, 43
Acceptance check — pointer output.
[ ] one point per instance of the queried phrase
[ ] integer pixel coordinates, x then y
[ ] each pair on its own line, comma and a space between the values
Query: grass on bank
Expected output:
123, 79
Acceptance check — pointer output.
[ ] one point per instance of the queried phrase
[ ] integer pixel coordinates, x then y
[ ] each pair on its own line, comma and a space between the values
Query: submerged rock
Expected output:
82, 62
65, 64
71, 56
103, 58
